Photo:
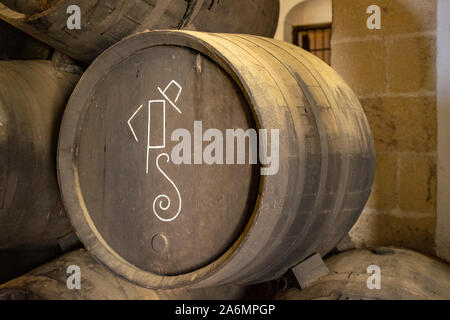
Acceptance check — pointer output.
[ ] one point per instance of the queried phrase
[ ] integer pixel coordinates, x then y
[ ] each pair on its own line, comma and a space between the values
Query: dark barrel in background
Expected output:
16, 44
162, 224
33, 225
104, 22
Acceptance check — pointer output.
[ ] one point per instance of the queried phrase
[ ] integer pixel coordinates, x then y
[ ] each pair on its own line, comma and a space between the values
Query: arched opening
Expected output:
307, 23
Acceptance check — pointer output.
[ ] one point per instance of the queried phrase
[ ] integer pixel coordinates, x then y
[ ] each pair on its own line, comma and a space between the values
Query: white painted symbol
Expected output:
149, 146
160, 203
131, 118
163, 92
163, 102
154, 103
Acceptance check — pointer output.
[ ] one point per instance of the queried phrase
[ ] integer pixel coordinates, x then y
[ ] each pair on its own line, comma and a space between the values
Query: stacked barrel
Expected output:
105, 22
402, 275
159, 221
163, 225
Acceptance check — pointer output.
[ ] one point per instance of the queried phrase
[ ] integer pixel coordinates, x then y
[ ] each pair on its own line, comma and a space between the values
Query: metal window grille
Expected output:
315, 39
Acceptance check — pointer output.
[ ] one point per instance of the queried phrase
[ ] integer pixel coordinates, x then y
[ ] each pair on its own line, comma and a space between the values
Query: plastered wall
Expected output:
393, 72
443, 116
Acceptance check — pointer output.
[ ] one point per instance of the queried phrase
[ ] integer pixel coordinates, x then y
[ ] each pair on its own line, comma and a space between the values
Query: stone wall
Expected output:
443, 116
393, 72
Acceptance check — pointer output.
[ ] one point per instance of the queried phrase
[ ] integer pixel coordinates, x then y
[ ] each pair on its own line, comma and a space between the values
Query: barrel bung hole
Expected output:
383, 251
159, 242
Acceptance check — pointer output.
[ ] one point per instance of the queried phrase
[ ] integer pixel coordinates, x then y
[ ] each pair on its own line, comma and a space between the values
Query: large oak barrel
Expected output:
161, 185
404, 275
49, 282
33, 224
103, 23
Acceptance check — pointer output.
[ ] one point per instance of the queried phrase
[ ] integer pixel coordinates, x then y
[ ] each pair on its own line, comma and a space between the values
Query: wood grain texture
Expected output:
405, 275
105, 22
326, 158
32, 217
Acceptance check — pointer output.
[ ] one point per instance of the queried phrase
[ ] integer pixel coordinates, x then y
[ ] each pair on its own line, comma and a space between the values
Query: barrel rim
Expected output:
68, 174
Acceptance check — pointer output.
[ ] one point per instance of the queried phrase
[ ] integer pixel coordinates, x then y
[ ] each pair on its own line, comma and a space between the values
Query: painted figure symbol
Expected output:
163, 92
162, 199
163, 196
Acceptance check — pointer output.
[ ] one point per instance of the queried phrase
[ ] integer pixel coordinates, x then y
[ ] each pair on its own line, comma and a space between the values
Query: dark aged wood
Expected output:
222, 234
17, 45
32, 219
48, 282
104, 22
405, 275
217, 200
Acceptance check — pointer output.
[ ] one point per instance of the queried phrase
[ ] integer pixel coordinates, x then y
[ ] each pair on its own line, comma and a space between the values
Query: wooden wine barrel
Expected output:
103, 23
33, 224
405, 275
49, 282
150, 207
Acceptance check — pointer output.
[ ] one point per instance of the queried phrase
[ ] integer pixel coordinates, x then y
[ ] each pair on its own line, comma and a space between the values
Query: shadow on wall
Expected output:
393, 72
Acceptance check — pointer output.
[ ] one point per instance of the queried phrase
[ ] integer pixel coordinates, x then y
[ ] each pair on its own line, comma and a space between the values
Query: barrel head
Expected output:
164, 217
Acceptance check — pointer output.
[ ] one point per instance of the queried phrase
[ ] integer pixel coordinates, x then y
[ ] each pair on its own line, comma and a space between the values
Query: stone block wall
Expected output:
393, 72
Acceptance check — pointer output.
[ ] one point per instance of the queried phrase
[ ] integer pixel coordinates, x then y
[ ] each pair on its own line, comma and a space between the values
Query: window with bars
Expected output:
315, 39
